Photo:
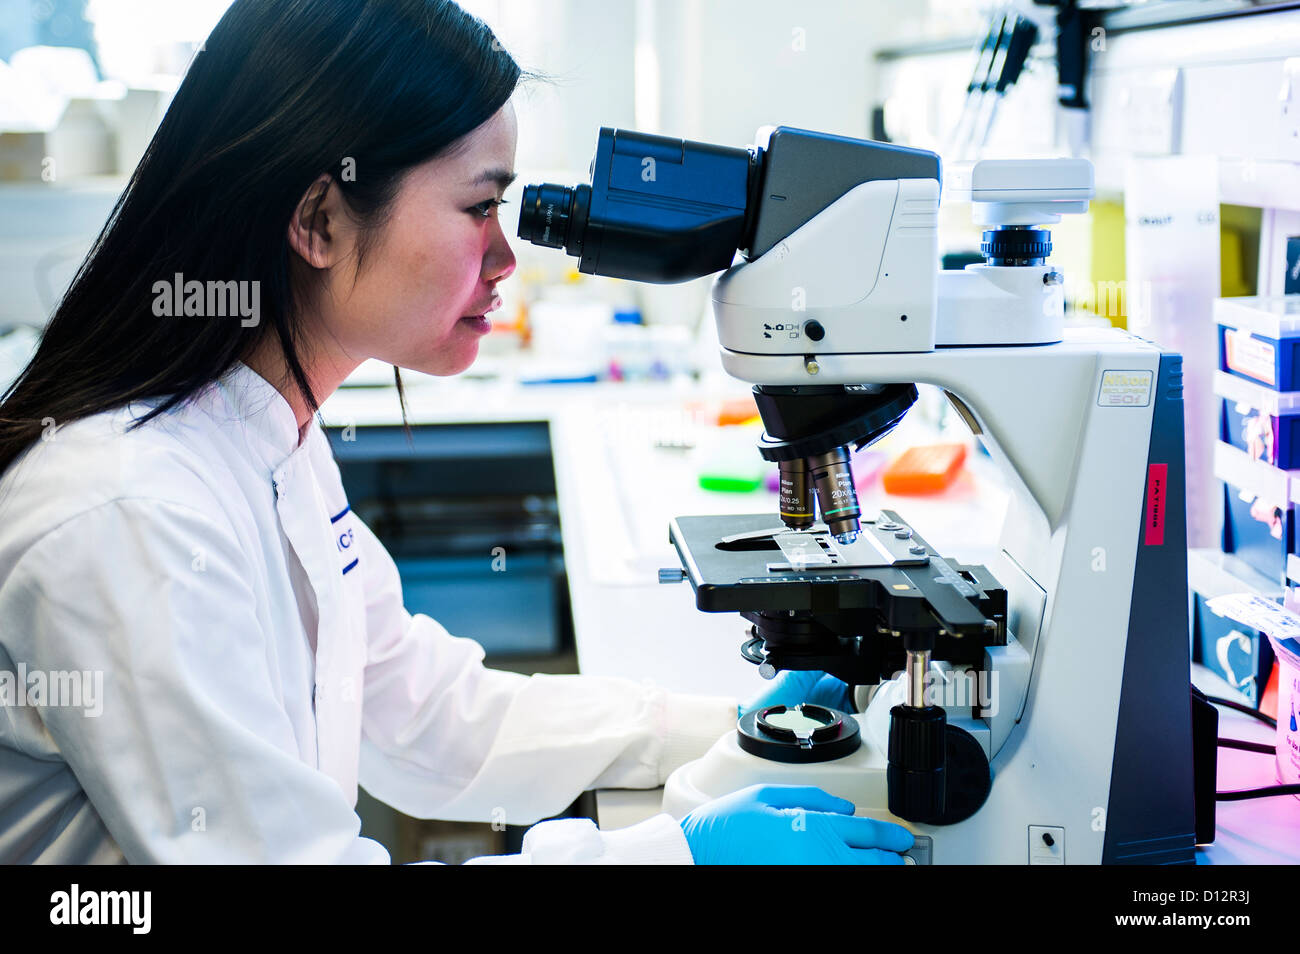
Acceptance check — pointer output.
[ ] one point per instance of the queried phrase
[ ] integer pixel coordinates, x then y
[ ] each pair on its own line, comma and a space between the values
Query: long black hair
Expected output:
283, 92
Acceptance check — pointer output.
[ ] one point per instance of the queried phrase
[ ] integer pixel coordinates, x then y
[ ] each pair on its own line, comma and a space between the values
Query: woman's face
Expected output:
435, 264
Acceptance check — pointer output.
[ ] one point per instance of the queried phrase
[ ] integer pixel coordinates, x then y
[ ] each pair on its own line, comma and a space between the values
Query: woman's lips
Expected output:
479, 323
492, 306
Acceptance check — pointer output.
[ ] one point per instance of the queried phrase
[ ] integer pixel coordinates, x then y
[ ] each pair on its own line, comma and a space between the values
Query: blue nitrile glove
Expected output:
793, 686
790, 825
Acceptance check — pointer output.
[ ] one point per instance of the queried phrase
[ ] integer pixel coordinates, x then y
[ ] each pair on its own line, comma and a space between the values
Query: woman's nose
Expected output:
499, 261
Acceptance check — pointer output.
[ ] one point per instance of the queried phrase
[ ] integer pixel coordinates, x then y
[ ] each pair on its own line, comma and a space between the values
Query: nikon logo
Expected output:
1125, 389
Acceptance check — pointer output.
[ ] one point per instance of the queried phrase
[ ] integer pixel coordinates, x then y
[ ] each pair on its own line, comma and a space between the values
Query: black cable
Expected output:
1257, 793
1241, 707
1247, 746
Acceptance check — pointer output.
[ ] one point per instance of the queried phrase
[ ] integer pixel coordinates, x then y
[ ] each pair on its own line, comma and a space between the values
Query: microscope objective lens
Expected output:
797, 508
832, 476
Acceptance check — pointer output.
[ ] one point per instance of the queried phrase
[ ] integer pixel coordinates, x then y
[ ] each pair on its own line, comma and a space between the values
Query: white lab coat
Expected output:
257, 662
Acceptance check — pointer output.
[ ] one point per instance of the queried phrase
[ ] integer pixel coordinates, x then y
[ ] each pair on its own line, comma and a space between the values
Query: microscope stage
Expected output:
751, 563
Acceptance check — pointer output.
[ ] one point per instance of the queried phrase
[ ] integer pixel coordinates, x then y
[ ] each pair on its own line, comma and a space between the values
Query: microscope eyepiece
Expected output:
658, 209
555, 216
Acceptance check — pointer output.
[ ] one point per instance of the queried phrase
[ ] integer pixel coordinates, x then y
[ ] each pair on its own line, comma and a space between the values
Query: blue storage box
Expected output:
1258, 513
1260, 421
1259, 339
1240, 655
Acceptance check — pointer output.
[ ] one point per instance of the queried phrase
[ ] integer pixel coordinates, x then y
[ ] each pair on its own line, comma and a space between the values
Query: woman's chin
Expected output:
451, 360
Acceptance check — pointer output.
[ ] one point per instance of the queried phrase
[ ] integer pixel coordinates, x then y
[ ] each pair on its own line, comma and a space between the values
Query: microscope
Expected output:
1032, 710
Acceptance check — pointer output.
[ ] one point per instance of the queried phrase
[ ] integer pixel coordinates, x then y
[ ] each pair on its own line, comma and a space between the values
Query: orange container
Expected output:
1268, 701
737, 411
925, 470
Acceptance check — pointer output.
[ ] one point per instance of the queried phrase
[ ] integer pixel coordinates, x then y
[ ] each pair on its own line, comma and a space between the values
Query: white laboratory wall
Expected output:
712, 70
730, 66
925, 95
584, 48
140, 40
1227, 88
45, 232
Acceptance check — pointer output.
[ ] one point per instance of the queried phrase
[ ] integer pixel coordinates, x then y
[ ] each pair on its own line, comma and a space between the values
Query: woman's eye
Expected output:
485, 208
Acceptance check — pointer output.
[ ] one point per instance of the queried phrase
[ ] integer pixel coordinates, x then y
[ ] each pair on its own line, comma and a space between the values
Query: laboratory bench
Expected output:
621, 466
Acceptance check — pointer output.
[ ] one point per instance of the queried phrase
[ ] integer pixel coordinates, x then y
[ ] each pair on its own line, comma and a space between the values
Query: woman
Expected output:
175, 539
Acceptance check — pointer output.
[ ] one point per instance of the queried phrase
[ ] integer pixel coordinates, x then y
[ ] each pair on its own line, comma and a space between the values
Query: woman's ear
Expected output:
314, 231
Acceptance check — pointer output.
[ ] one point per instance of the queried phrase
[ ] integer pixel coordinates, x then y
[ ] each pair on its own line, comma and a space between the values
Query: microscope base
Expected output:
860, 778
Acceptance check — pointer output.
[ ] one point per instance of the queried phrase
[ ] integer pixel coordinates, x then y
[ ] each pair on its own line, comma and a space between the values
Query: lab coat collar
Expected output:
269, 422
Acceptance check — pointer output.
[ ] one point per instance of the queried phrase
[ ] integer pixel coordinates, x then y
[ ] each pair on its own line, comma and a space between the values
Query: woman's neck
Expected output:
324, 372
